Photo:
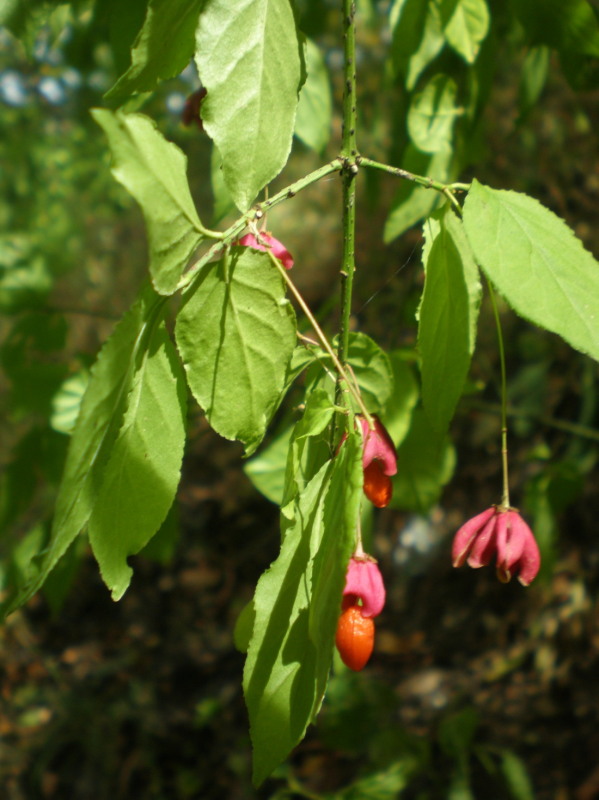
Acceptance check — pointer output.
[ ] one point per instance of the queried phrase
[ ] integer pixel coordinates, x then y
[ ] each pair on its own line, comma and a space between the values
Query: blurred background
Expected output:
476, 689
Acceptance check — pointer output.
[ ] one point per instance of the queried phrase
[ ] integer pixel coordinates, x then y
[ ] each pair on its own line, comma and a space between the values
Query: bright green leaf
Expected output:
465, 26
141, 476
163, 47
154, 172
447, 317
248, 58
407, 20
432, 115
67, 401
314, 110
236, 334
536, 262
297, 604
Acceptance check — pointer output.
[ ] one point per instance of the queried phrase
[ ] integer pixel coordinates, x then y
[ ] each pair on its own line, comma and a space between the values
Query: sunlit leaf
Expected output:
465, 24
536, 262
154, 172
297, 604
447, 316
248, 58
236, 334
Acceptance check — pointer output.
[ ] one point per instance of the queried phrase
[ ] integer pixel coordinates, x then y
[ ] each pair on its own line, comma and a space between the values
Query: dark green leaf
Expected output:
516, 776
425, 463
407, 20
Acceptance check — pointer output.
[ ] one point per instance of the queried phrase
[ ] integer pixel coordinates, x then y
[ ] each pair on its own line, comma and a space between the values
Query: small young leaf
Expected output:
67, 401
154, 172
536, 262
432, 115
314, 110
447, 317
465, 24
533, 77
248, 58
297, 603
141, 477
163, 47
236, 334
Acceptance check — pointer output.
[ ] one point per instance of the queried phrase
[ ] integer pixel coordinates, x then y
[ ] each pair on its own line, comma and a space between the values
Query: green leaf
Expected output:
447, 316
570, 26
533, 77
141, 476
432, 115
314, 111
95, 434
162, 48
425, 463
154, 172
465, 23
236, 334
430, 46
371, 368
248, 58
266, 470
398, 410
516, 776
223, 203
407, 20
67, 401
297, 604
412, 202
536, 262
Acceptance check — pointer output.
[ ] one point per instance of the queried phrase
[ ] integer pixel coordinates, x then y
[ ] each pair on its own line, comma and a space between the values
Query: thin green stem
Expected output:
446, 189
256, 213
505, 499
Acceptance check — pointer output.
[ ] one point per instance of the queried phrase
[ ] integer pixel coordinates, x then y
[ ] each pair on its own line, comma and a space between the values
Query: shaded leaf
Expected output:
516, 776
163, 47
314, 111
432, 115
141, 476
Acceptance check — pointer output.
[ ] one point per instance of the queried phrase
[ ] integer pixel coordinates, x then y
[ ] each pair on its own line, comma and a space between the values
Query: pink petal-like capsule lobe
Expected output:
268, 242
464, 538
363, 580
529, 562
510, 545
378, 446
484, 545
